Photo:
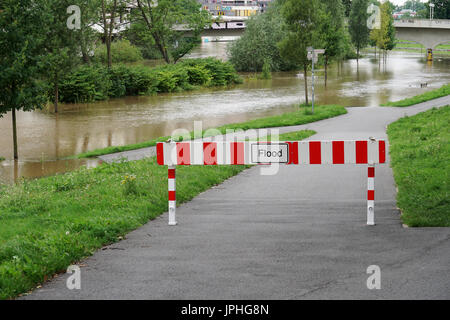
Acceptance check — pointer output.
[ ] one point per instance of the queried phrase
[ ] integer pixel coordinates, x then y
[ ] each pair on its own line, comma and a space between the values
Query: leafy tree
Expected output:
86, 36
441, 9
139, 36
333, 32
258, 44
161, 18
111, 11
303, 21
415, 5
22, 52
60, 46
384, 37
358, 29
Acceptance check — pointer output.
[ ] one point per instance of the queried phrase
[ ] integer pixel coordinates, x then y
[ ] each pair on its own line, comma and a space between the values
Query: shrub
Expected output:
198, 75
91, 83
87, 83
122, 51
222, 73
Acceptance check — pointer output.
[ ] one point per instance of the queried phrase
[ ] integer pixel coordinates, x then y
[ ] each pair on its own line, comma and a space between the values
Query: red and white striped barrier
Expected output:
369, 152
298, 152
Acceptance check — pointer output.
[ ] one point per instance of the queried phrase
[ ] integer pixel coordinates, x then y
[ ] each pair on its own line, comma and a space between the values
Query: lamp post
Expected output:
431, 11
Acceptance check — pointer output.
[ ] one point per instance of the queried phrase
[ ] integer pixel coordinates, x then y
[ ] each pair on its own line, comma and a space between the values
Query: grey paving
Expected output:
300, 234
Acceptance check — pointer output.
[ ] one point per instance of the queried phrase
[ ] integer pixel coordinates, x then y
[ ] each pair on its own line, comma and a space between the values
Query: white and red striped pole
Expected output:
172, 197
371, 195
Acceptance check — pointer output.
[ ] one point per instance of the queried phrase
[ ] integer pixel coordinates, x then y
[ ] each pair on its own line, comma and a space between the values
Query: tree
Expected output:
86, 36
108, 13
259, 43
384, 37
358, 29
161, 19
333, 32
111, 12
415, 5
441, 9
22, 26
303, 21
60, 45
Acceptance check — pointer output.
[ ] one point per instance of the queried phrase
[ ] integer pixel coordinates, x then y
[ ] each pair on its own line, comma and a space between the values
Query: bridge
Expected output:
429, 33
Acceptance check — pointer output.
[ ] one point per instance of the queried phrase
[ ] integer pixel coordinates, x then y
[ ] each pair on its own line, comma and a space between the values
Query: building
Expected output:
235, 8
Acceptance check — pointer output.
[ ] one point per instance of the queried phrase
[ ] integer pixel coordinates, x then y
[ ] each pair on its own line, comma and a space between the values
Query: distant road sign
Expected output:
267, 152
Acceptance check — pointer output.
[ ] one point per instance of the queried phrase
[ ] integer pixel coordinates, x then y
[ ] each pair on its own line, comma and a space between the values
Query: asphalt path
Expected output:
300, 234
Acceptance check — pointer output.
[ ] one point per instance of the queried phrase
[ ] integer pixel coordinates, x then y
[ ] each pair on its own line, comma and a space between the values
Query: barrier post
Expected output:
172, 196
371, 195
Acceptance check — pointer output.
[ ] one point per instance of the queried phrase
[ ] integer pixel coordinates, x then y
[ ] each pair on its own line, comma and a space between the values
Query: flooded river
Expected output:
45, 138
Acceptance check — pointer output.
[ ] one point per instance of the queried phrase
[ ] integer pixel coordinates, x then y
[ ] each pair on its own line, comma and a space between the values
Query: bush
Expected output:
222, 73
122, 51
87, 83
198, 75
91, 83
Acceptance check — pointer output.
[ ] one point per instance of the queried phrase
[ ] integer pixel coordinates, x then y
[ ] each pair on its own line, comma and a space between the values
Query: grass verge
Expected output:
50, 223
420, 151
287, 119
430, 95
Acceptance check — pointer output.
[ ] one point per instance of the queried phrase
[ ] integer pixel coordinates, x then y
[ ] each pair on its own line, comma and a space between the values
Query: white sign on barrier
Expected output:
270, 152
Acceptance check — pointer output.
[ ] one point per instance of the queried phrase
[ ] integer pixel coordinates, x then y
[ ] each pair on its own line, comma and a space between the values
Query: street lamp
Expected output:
431, 11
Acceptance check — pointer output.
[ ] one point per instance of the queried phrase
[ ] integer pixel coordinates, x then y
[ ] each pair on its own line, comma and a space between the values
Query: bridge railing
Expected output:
423, 23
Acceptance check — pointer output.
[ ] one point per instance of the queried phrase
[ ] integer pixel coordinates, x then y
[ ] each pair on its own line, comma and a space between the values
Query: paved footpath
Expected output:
300, 234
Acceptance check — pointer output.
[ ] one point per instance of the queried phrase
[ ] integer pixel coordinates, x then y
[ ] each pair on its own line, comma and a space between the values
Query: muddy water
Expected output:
46, 138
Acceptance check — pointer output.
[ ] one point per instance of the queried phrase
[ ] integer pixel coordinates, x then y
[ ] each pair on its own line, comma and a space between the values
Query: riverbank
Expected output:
419, 150
430, 95
302, 116
49, 223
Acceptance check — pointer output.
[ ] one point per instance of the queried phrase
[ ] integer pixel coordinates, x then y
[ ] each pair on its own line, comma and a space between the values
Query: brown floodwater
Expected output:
45, 138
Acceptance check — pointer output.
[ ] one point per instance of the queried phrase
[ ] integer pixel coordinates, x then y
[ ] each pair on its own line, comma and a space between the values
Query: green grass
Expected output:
302, 116
49, 223
420, 153
411, 44
430, 95
290, 136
